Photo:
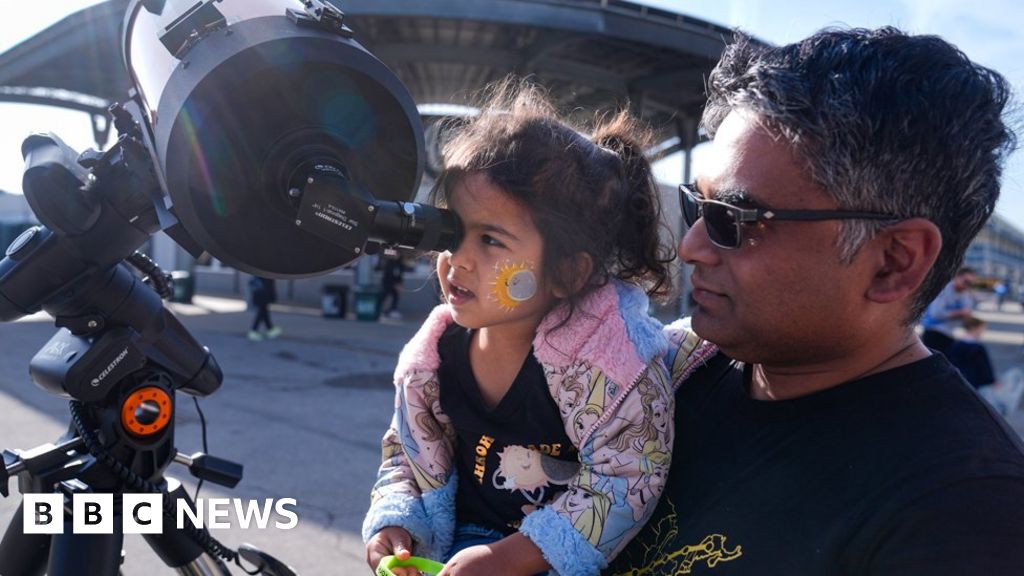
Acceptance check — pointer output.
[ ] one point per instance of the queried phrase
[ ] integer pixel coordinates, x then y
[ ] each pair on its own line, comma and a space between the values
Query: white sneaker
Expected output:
395, 315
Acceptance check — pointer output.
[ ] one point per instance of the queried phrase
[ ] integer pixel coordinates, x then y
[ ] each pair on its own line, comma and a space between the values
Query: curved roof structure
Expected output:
80, 54
591, 54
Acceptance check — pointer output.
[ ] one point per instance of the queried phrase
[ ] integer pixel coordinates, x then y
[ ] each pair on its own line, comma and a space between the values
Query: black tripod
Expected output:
119, 356
121, 437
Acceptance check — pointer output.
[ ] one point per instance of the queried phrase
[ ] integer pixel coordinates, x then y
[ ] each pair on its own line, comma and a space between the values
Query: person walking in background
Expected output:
948, 311
263, 292
393, 269
1001, 290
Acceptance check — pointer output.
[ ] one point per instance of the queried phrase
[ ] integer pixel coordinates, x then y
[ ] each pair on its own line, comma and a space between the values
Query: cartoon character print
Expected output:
531, 473
426, 429
586, 417
587, 508
654, 463
654, 455
680, 358
575, 383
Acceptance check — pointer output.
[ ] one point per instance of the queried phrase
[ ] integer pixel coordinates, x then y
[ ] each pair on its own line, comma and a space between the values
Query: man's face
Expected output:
783, 297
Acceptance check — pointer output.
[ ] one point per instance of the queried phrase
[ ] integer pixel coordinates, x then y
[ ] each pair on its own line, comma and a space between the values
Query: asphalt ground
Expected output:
303, 413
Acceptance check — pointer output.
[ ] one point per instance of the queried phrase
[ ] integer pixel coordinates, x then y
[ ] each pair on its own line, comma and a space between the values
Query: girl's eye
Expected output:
490, 240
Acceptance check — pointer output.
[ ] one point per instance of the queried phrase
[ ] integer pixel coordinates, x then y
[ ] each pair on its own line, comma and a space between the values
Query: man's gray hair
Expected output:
886, 122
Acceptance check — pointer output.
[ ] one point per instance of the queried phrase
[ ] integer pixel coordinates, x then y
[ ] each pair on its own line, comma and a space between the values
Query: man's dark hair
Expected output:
886, 122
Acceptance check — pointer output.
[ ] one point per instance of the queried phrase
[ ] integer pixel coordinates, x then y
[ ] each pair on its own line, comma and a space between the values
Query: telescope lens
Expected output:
251, 106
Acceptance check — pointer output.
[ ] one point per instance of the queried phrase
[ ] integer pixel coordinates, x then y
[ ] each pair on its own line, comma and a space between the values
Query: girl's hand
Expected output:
390, 541
474, 560
513, 555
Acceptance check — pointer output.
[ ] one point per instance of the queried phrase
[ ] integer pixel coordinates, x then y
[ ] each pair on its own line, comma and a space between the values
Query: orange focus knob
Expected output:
146, 411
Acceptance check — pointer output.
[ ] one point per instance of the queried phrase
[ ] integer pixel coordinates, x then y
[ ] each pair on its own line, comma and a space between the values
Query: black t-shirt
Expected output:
512, 458
971, 358
903, 472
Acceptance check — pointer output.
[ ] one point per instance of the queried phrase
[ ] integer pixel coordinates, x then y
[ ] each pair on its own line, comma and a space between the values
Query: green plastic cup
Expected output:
422, 564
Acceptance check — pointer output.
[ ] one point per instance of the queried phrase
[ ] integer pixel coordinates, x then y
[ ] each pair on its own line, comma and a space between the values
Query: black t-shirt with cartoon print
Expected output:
902, 472
510, 459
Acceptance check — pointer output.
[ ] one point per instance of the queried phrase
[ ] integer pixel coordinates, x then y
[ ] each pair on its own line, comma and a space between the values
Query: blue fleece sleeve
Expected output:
568, 552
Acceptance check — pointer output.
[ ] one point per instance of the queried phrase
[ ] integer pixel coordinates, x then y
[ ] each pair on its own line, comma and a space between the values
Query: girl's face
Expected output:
498, 235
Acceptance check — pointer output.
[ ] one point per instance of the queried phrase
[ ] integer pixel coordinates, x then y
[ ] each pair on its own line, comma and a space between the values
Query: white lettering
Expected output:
293, 518
218, 508
110, 368
245, 514
42, 514
142, 514
194, 516
92, 513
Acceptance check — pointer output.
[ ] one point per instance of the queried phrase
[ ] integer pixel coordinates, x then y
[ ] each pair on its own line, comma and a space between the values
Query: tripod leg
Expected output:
94, 554
204, 565
176, 548
23, 554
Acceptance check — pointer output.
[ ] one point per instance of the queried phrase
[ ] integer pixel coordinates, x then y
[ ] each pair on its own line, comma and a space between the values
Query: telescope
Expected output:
283, 145
258, 131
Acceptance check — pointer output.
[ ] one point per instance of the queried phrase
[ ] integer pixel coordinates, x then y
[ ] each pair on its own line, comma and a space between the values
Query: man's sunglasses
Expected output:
723, 222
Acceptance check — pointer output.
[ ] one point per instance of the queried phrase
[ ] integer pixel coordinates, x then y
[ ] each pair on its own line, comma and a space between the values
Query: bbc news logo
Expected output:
143, 513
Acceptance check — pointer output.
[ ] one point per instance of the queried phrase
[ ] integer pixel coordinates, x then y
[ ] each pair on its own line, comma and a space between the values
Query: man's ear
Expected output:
575, 273
905, 253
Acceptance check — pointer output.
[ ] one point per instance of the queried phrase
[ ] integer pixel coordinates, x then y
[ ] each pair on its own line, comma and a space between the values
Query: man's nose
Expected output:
696, 247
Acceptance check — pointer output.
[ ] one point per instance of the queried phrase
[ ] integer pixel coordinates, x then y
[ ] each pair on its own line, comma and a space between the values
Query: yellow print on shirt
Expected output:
661, 558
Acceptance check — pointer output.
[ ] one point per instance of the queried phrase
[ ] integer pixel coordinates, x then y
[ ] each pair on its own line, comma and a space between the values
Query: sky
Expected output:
990, 32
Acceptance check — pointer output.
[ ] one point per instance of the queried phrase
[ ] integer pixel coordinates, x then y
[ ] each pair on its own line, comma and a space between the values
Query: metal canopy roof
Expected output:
591, 54
81, 54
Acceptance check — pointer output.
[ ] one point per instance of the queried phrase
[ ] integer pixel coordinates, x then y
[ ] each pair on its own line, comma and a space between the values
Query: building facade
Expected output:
998, 253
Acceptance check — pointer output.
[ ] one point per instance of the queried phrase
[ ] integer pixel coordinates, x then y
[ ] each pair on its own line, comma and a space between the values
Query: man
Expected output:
263, 294
952, 306
849, 172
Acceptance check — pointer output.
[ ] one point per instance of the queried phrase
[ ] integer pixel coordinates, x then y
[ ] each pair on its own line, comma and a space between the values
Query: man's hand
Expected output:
390, 541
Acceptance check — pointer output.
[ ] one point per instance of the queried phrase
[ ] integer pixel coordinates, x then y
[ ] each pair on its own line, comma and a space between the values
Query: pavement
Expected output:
304, 413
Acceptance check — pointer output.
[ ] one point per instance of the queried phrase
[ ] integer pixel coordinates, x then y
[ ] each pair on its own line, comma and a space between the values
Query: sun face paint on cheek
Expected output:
514, 284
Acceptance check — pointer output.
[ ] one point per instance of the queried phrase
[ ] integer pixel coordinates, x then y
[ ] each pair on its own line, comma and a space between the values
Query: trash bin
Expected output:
184, 286
367, 303
334, 301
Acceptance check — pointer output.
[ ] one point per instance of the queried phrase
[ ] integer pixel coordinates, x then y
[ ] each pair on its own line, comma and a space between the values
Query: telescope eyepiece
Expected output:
415, 226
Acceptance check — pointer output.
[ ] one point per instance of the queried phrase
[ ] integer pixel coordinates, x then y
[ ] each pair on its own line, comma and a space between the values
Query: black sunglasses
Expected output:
724, 221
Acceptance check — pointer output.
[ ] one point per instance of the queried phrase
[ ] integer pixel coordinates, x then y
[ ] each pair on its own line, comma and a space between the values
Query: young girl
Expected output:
533, 410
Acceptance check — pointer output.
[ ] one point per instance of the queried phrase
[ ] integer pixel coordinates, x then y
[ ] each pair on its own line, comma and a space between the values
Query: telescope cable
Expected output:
154, 276
202, 537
